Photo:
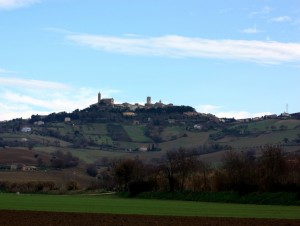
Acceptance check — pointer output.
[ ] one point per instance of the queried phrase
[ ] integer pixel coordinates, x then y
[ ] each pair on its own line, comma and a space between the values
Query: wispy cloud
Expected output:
22, 97
13, 4
282, 19
241, 114
267, 52
217, 111
4, 71
57, 30
264, 11
207, 108
252, 30
30, 83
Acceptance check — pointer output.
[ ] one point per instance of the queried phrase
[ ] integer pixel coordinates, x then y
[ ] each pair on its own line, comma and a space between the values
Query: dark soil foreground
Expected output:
30, 218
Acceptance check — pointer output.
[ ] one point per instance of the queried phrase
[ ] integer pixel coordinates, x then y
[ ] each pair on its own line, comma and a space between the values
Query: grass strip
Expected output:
116, 205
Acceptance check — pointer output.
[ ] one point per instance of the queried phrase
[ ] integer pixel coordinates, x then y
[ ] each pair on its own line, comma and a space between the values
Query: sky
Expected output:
229, 58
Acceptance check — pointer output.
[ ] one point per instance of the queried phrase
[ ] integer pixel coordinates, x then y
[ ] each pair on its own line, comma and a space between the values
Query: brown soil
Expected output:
26, 218
21, 155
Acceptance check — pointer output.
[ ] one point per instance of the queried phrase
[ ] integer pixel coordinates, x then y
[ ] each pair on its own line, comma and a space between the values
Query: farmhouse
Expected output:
171, 121
24, 139
25, 129
197, 126
67, 119
136, 122
28, 168
285, 115
271, 116
39, 123
190, 114
143, 149
244, 120
129, 114
13, 167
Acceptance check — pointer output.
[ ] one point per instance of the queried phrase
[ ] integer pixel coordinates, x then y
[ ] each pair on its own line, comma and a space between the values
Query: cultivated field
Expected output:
115, 205
29, 218
111, 210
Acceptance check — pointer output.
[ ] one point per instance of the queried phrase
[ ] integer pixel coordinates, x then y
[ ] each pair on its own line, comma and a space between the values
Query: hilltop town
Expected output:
110, 102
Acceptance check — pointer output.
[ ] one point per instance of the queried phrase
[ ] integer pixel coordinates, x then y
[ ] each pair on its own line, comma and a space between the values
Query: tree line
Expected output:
183, 170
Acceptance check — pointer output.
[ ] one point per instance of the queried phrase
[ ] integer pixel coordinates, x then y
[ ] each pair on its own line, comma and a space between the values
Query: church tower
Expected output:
148, 100
99, 98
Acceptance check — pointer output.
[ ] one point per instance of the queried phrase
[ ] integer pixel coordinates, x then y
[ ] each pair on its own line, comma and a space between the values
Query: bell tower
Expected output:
148, 100
99, 98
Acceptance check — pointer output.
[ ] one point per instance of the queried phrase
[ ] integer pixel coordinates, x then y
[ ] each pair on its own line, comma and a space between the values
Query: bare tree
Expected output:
176, 166
272, 168
239, 170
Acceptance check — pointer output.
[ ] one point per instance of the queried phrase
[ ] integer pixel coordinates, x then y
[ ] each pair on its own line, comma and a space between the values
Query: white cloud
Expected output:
266, 52
23, 98
217, 111
282, 19
252, 30
207, 108
240, 114
12, 110
264, 11
30, 83
12, 4
4, 71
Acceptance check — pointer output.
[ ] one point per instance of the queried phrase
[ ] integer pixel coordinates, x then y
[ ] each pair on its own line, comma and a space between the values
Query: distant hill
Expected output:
106, 130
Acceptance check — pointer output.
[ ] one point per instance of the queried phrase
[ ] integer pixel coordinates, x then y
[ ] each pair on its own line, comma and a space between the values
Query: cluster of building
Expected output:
110, 102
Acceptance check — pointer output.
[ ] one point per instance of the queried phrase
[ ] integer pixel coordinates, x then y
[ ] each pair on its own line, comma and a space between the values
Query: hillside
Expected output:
80, 150
106, 131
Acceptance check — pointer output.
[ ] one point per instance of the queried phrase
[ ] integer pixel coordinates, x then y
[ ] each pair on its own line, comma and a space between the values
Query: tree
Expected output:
91, 170
285, 140
62, 160
272, 168
30, 145
2, 143
176, 166
40, 162
127, 171
204, 168
239, 170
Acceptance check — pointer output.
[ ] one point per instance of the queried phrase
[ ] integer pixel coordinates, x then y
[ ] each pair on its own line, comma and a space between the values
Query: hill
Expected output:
89, 148
105, 130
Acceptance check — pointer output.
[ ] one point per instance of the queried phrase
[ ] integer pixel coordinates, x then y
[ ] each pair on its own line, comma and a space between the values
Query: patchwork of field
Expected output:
104, 143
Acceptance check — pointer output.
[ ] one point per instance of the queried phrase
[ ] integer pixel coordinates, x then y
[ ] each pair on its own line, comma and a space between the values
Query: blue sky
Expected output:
230, 58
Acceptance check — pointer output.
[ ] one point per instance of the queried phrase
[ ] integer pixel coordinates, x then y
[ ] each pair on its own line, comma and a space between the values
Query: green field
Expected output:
136, 133
116, 205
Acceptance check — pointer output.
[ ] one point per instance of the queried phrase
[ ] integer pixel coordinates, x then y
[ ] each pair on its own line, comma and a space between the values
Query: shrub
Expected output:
72, 185
91, 170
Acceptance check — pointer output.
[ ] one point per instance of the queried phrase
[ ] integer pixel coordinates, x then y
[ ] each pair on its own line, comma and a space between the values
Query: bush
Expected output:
62, 160
137, 187
72, 185
27, 187
91, 170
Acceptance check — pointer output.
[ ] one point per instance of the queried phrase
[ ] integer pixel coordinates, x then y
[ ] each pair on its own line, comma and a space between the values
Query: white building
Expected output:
39, 123
199, 127
67, 119
25, 129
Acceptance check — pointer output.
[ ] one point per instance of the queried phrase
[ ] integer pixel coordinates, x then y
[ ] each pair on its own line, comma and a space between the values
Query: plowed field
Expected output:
29, 218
